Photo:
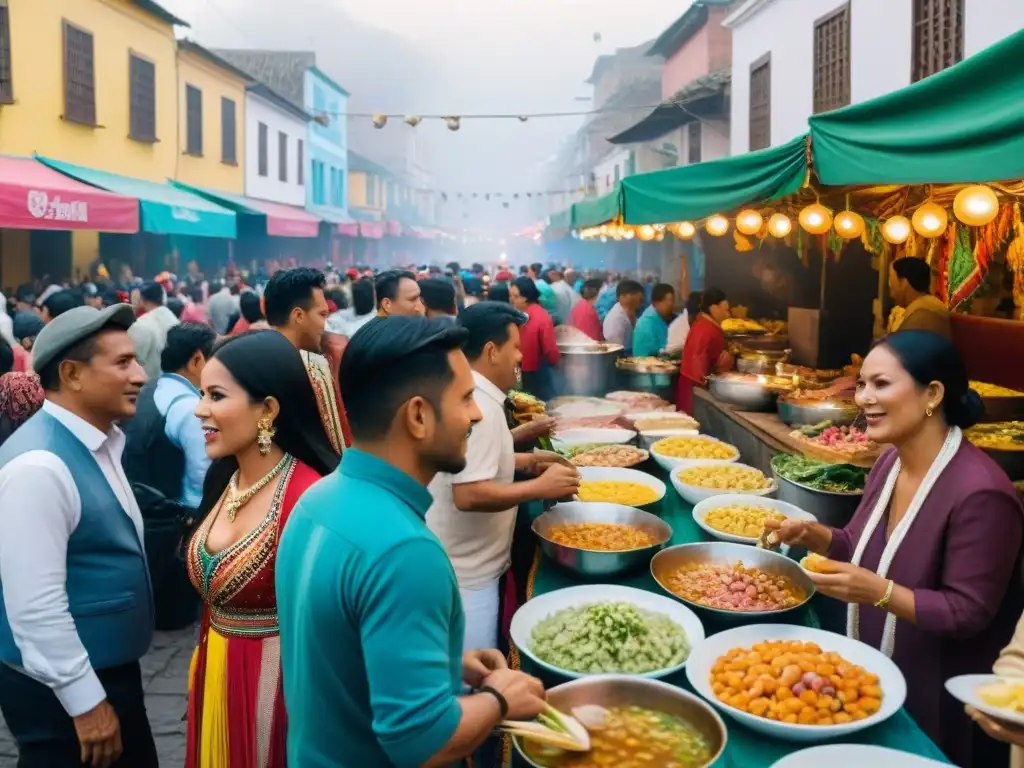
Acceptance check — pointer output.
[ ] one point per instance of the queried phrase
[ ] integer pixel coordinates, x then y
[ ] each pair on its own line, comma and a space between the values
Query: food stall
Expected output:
560, 569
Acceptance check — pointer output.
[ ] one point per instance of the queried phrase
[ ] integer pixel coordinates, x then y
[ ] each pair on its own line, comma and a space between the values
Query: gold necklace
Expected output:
236, 500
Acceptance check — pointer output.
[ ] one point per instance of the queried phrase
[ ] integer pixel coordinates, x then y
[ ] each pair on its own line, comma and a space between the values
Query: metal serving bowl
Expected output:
627, 690
799, 414
668, 561
830, 508
589, 562
745, 395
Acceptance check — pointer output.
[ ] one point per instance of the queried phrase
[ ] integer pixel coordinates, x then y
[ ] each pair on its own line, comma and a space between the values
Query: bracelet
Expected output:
501, 699
887, 597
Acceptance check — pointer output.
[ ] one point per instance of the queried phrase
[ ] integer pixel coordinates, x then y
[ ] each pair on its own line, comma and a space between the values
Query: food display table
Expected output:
746, 749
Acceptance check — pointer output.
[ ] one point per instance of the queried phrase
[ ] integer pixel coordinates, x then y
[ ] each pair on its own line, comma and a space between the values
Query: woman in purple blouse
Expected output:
928, 564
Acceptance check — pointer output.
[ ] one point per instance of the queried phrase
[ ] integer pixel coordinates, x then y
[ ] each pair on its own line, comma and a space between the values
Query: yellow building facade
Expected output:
366, 191
211, 120
107, 35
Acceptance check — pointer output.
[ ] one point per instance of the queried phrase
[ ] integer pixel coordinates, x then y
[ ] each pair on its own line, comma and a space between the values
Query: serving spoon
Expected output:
559, 730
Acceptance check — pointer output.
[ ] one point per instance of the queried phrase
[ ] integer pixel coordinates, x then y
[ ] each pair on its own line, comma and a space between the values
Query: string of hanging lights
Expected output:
975, 205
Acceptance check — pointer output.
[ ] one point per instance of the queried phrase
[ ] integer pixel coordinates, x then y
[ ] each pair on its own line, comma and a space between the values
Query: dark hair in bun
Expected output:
929, 357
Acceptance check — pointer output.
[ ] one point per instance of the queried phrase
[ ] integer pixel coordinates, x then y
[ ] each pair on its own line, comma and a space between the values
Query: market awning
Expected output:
964, 124
594, 211
282, 220
699, 190
558, 225
702, 97
33, 196
166, 210
373, 230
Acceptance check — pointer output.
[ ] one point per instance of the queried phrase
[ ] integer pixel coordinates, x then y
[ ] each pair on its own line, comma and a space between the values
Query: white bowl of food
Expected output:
999, 697
739, 517
619, 486
842, 665
569, 631
689, 450
572, 437
702, 481
647, 420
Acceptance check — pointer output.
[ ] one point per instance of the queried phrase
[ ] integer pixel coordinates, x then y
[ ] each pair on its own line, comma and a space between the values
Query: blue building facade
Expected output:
327, 160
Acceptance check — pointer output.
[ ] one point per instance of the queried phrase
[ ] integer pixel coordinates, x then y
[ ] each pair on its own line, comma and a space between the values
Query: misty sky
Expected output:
454, 56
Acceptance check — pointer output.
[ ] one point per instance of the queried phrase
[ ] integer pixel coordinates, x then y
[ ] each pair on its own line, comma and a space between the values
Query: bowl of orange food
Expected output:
796, 683
600, 539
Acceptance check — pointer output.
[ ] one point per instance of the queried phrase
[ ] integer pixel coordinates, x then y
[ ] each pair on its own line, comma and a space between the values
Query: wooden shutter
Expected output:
832, 60
79, 76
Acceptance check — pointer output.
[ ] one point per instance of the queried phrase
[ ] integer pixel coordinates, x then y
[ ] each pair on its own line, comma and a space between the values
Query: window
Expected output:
300, 171
263, 149
228, 132
761, 103
371, 191
694, 134
141, 99
319, 196
79, 76
282, 156
193, 121
337, 188
6, 81
832, 61
938, 36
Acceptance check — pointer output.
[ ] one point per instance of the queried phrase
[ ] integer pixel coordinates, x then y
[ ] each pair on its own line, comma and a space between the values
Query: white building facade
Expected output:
794, 58
276, 135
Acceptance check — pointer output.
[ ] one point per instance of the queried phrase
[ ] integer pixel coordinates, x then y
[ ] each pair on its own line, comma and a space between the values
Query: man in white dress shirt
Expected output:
474, 512
76, 607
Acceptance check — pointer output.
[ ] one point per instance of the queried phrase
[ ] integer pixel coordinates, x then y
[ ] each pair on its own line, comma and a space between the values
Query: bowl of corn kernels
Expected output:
689, 450
702, 481
739, 518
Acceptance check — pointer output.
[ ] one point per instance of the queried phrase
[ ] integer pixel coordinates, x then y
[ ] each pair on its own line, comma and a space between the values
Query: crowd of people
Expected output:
323, 471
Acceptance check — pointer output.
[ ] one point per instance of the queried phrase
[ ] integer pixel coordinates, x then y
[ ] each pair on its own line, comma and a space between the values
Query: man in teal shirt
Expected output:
650, 336
371, 620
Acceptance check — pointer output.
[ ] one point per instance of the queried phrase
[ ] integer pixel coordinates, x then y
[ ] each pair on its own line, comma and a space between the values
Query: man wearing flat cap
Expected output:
76, 606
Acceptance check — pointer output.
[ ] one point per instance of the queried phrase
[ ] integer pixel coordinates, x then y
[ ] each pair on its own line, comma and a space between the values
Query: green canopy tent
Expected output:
165, 209
596, 211
696, 191
962, 125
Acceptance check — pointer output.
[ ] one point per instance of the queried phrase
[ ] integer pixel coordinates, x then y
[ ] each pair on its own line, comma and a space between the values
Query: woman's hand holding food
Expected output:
850, 583
814, 537
523, 693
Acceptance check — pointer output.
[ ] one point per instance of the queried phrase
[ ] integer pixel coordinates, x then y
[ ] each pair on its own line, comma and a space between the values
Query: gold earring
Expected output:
928, 411
265, 435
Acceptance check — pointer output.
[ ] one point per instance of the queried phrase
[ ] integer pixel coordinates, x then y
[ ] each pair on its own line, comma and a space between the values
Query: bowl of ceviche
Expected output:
739, 517
688, 450
638, 723
702, 481
600, 539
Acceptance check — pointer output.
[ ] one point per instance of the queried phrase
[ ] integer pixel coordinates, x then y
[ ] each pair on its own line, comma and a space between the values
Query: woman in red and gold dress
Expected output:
705, 351
264, 434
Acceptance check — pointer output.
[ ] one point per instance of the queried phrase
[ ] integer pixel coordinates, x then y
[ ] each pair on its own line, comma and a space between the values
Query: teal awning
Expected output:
595, 211
718, 186
165, 209
964, 124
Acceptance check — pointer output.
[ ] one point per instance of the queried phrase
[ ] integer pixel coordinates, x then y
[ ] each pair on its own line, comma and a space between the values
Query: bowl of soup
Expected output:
650, 724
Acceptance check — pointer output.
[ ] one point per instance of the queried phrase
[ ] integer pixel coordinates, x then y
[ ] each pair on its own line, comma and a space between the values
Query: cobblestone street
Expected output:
165, 676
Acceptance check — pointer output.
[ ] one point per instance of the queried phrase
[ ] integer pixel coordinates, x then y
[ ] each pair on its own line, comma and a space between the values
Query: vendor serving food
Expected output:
927, 560
704, 352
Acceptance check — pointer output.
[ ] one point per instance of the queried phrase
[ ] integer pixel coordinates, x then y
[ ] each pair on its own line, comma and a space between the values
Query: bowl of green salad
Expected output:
830, 492
598, 629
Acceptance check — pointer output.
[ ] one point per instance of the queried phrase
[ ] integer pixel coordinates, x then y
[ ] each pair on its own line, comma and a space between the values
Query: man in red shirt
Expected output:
584, 316
705, 350
536, 339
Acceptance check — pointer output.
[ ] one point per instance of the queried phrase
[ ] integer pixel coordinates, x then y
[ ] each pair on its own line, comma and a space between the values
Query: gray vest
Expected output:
109, 593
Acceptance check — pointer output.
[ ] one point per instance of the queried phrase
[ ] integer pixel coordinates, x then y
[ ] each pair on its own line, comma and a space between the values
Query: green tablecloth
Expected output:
746, 749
